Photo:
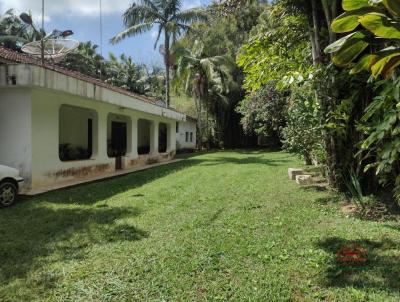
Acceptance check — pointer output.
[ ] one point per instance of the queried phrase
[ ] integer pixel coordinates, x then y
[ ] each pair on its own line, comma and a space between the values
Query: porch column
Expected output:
102, 135
134, 138
171, 137
154, 138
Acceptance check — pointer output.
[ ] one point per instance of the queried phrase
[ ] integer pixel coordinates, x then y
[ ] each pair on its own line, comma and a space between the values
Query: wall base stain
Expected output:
82, 171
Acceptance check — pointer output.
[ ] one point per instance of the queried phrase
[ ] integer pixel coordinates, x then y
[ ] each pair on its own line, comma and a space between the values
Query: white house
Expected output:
186, 134
60, 127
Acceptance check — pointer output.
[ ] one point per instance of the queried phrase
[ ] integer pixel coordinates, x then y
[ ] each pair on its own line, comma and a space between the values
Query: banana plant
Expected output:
372, 40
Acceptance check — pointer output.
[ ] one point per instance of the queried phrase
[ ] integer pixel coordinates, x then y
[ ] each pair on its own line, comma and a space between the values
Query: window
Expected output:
187, 137
77, 133
177, 127
191, 137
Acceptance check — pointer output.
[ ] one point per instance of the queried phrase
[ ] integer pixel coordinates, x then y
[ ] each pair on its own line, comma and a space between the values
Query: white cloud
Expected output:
191, 4
71, 8
78, 8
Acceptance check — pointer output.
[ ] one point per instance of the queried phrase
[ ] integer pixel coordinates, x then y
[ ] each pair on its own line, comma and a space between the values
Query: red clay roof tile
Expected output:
11, 56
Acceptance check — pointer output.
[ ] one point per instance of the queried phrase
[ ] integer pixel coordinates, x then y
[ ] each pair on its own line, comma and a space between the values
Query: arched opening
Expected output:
77, 133
144, 128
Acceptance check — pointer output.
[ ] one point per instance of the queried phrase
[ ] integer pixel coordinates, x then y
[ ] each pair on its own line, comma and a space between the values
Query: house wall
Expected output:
47, 168
36, 76
184, 127
30, 110
15, 131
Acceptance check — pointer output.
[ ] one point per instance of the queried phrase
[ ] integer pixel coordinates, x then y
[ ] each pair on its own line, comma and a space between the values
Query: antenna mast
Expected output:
42, 34
101, 37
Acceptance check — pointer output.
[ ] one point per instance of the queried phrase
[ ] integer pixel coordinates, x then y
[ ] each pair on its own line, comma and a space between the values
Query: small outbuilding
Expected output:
59, 127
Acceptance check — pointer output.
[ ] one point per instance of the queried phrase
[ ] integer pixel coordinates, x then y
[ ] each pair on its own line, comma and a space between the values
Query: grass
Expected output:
223, 226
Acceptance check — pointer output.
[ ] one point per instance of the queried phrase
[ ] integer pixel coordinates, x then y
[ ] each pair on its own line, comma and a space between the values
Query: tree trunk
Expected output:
167, 60
200, 124
316, 34
329, 11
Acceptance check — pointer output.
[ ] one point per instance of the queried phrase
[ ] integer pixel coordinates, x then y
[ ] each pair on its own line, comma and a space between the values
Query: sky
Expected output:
82, 17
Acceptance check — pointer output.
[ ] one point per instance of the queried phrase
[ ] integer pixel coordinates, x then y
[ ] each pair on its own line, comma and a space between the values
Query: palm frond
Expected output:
190, 15
152, 4
172, 7
132, 31
137, 14
112, 57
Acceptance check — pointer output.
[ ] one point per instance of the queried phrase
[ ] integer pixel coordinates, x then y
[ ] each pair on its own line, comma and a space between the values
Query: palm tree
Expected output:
13, 32
86, 60
170, 20
204, 78
123, 72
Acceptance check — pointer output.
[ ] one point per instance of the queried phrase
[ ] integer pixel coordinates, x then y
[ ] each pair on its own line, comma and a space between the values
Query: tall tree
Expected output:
205, 78
170, 20
86, 60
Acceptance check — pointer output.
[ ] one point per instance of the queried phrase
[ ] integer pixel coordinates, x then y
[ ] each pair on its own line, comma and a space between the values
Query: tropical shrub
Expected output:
264, 111
371, 44
303, 134
277, 49
381, 127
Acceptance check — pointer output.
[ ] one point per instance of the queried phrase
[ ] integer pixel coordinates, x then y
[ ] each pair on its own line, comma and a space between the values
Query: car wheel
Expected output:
8, 193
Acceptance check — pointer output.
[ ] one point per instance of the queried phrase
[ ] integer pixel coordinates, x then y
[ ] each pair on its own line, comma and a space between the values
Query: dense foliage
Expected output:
264, 112
216, 43
344, 121
171, 20
118, 71
13, 32
303, 132
277, 49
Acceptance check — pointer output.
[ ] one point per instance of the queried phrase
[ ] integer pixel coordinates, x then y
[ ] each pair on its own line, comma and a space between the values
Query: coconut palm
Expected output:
86, 60
13, 32
204, 78
123, 72
167, 16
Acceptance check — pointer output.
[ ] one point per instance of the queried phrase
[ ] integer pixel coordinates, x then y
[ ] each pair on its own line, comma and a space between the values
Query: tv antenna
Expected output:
54, 46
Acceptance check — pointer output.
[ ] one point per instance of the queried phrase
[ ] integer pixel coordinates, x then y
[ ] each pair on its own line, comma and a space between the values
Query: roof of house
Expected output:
11, 56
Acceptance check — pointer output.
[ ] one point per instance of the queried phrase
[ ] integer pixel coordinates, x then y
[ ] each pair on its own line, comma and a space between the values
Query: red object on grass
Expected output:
352, 255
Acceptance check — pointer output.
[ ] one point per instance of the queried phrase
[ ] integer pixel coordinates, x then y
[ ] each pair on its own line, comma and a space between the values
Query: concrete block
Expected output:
293, 172
304, 180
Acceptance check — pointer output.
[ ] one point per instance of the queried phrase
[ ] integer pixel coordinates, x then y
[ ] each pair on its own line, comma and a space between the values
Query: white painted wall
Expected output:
36, 76
15, 131
184, 127
30, 123
46, 104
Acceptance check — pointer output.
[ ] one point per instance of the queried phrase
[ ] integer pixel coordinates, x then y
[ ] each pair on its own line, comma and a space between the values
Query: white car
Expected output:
9, 185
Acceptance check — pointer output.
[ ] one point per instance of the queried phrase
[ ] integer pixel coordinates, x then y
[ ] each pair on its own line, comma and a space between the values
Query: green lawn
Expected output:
224, 226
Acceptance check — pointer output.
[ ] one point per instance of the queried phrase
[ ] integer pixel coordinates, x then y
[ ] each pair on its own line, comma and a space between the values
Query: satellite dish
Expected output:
54, 49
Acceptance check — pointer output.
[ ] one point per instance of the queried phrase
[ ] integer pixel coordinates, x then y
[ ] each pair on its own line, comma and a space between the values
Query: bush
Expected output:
264, 112
303, 134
